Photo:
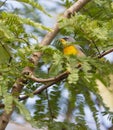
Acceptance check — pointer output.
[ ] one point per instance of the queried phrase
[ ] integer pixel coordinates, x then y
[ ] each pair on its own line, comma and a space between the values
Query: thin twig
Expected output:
40, 80
96, 46
3, 3
105, 53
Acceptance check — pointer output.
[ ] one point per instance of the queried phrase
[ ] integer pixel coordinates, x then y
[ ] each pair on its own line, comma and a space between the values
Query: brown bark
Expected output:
111, 128
19, 84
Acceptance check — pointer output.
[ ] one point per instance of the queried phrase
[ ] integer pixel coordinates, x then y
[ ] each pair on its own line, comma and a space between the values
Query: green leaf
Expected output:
13, 18
23, 110
8, 102
34, 24
5, 33
35, 4
112, 5
73, 77
56, 65
4, 54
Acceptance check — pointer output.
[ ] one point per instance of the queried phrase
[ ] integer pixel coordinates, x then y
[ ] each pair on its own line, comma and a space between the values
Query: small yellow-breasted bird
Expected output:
69, 48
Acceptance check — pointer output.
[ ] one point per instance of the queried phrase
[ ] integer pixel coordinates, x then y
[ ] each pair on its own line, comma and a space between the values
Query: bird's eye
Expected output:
65, 38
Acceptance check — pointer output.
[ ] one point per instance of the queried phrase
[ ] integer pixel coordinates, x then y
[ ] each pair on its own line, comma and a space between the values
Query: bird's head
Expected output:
66, 41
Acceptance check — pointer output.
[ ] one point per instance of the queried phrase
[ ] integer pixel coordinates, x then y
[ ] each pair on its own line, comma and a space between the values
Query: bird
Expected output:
69, 48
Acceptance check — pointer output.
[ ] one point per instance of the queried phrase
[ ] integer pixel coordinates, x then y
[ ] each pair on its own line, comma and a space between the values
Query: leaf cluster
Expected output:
15, 50
91, 30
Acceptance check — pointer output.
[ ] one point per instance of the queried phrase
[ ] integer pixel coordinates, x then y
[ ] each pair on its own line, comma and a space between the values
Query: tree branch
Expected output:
56, 79
19, 84
75, 8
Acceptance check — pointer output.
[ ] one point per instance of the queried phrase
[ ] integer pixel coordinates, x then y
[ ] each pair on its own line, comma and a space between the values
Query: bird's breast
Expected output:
70, 50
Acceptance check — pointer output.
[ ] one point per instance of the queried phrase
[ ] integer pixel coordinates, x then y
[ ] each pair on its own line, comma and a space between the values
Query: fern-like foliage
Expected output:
92, 29
15, 50
35, 5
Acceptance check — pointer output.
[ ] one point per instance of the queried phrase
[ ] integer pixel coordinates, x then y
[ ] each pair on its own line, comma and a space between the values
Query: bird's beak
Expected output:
63, 42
